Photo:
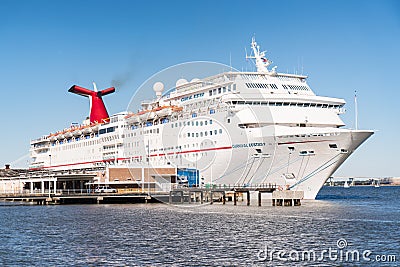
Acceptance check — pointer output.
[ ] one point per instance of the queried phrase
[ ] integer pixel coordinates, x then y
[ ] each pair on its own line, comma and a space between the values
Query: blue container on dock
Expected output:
191, 177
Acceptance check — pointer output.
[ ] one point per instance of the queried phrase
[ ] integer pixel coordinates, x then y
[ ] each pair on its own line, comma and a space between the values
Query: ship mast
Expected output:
262, 62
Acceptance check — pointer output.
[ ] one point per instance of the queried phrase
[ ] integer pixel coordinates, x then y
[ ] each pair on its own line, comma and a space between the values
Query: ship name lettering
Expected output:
247, 145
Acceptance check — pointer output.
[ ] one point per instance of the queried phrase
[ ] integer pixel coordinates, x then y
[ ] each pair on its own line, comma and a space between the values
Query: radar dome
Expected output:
181, 82
158, 87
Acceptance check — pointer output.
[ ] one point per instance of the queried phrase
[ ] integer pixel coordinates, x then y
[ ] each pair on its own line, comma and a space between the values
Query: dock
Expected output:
178, 195
150, 185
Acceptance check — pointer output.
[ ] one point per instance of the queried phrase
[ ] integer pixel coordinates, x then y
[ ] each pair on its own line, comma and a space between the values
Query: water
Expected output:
366, 218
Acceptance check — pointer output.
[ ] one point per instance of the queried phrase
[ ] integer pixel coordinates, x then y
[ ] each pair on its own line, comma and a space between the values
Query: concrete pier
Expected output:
287, 198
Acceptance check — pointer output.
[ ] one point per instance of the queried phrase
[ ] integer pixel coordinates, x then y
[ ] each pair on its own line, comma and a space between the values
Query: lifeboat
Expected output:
95, 128
68, 134
164, 111
77, 132
146, 115
87, 130
133, 118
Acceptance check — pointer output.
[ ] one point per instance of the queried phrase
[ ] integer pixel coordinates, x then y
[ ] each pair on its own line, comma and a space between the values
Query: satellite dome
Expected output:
158, 87
181, 82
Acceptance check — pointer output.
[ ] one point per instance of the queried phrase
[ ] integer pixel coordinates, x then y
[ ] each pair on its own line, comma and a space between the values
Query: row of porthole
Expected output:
191, 123
206, 133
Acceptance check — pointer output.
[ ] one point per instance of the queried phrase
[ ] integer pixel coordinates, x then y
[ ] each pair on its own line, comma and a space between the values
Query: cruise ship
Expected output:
237, 127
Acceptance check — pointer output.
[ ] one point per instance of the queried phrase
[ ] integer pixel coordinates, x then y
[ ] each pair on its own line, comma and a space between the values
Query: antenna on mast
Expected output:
230, 61
356, 109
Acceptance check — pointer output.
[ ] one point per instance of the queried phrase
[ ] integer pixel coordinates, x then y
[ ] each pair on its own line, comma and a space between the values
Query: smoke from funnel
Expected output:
120, 80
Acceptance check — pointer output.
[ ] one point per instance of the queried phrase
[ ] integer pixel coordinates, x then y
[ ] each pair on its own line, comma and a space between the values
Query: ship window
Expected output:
224, 89
205, 133
205, 123
201, 123
234, 87
197, 123
210, 121
192, 134
332, 145
214, 91
229, 120
219, 90
210, 92
229, 88
210, 132
220, 131
201, 134
291, 148
302, 125
215, 131
102, 131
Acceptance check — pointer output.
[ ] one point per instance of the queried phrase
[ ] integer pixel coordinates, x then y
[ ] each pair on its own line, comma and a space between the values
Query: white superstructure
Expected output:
235, 128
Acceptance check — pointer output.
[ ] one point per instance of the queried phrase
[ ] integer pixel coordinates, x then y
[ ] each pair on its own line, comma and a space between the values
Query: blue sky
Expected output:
47, 46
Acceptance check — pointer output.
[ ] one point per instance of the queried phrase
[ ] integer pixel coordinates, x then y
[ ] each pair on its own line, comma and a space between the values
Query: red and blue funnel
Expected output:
98, 111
